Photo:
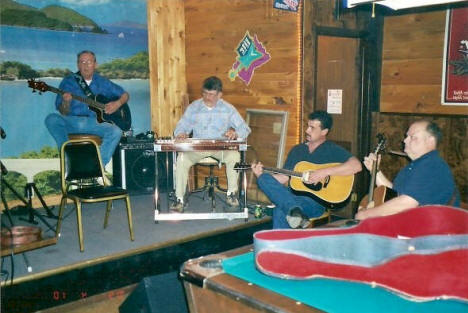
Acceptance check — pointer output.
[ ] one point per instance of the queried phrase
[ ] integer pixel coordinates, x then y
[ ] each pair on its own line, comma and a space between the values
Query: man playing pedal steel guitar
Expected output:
209, 118
294, 210
76, 117
426, 180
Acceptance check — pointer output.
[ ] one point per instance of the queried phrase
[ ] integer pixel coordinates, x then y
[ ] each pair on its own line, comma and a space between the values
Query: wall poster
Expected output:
455, 62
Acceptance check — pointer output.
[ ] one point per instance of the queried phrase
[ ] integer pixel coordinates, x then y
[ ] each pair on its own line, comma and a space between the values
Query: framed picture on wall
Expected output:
455, 62
268, 137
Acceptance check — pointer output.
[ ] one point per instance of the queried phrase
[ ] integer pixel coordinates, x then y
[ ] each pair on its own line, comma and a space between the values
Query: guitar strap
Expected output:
84, 86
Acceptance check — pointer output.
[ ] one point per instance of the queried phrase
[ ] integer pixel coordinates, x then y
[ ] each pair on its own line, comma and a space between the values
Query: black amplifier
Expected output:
133, 166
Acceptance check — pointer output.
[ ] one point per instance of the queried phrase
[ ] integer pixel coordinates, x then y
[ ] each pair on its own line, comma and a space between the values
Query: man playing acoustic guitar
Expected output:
426, 180
76, 116
293, 209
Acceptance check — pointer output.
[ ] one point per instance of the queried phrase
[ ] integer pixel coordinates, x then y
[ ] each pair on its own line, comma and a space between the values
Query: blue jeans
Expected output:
284, 200
60, 126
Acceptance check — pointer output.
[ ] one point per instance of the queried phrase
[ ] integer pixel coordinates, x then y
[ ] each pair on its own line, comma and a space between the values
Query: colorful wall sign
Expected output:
251, 54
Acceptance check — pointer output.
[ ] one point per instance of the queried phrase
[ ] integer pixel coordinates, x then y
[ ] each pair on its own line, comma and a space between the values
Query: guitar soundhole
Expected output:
315, 187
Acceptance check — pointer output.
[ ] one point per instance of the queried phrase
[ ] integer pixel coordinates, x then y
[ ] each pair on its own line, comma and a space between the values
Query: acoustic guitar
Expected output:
334, 189
377, 195
122, 117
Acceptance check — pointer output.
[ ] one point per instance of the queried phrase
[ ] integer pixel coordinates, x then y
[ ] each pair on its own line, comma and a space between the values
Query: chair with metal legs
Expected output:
81, 160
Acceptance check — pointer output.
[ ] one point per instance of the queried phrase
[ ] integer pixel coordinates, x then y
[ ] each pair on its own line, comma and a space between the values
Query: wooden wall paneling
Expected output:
412, 56
214, 28
166, 45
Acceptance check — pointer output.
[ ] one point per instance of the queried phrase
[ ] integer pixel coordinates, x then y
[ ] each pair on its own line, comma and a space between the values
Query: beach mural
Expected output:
40, 39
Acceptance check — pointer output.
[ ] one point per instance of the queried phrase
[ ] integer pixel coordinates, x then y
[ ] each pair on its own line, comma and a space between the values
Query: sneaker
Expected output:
231, 200
296, 219
177, 207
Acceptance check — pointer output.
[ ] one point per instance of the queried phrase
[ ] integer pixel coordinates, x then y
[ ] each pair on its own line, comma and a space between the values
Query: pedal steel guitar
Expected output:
171, 145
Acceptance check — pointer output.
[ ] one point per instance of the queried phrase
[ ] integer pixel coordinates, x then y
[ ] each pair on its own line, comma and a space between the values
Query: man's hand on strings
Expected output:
65, 105
314, 177
182, 136
257, 168
112, 106
231, 134
370, 159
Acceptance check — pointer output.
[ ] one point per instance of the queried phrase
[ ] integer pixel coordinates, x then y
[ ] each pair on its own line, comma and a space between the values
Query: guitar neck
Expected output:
88, 101
282, 171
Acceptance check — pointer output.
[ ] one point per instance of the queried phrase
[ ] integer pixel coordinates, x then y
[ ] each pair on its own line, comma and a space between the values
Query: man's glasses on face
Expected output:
207, 93
86, 62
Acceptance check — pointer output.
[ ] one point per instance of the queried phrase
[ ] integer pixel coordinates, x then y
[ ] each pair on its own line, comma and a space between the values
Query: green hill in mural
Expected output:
136, 66
77, 21
51, 17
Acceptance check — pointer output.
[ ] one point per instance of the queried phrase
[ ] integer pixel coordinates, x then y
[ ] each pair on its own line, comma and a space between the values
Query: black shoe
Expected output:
297, 219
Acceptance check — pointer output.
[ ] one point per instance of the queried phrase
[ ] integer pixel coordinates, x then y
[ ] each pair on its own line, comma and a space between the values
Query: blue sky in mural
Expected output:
23, 112
104, 11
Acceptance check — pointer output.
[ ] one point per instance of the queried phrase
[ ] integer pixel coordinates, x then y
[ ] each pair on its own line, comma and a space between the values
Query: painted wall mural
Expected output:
40, 39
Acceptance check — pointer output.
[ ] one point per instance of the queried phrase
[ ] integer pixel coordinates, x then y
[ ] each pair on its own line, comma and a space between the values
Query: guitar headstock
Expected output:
38, 85
381, 145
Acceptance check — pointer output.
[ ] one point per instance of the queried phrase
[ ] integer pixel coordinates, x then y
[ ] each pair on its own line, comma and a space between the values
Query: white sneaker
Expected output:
231, 200
296, 219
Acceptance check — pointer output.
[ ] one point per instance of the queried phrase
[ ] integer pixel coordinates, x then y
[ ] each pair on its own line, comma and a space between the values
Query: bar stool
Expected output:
211, 181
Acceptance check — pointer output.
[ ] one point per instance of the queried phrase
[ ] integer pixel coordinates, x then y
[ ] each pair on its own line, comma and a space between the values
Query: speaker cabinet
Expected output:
156, 294
133, 168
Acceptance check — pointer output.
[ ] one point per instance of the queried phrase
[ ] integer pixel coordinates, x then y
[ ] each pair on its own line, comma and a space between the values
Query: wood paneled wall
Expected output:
413, 49
214, 29
166, 45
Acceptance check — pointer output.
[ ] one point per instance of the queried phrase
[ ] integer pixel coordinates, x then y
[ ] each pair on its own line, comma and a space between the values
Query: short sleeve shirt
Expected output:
327, 152
428, 180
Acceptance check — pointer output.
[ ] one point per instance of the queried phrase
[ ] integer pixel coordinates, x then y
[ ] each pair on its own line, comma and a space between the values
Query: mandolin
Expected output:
334, 189
122, 117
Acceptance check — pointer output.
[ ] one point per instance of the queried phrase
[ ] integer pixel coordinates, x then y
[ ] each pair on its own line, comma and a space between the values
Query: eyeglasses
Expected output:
87, 62
206, 93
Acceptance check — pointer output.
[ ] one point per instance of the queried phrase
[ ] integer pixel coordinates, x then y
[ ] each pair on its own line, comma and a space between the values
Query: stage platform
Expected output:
62, 274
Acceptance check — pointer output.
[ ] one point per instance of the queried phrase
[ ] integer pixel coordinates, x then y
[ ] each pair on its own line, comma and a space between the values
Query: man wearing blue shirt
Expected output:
210, 117
293, 209
76, 117
426, 180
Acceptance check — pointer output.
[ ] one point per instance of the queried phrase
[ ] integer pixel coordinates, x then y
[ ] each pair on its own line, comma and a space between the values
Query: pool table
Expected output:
229, 282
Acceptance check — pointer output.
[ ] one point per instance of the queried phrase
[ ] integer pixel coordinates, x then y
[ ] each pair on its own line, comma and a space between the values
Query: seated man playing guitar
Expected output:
426, 180
76, 116
293, 210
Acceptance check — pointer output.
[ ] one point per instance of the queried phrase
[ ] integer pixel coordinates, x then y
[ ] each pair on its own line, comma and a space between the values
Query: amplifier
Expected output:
133, 168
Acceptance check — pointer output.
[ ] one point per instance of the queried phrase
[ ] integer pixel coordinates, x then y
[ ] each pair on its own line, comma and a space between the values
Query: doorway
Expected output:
338, 91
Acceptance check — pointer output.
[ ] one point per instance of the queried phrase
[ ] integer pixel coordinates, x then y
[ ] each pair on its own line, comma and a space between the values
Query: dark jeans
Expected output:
284, 200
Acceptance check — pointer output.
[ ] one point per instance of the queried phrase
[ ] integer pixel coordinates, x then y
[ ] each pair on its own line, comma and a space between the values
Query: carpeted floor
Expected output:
114, 240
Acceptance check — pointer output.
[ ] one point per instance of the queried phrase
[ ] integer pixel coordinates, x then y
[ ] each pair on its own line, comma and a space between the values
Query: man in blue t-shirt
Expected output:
76, 117
294, 210
426, 180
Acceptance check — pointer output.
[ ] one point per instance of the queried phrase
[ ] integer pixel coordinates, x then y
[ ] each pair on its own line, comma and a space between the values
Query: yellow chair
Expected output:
95, 138
81, 160
325, 218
